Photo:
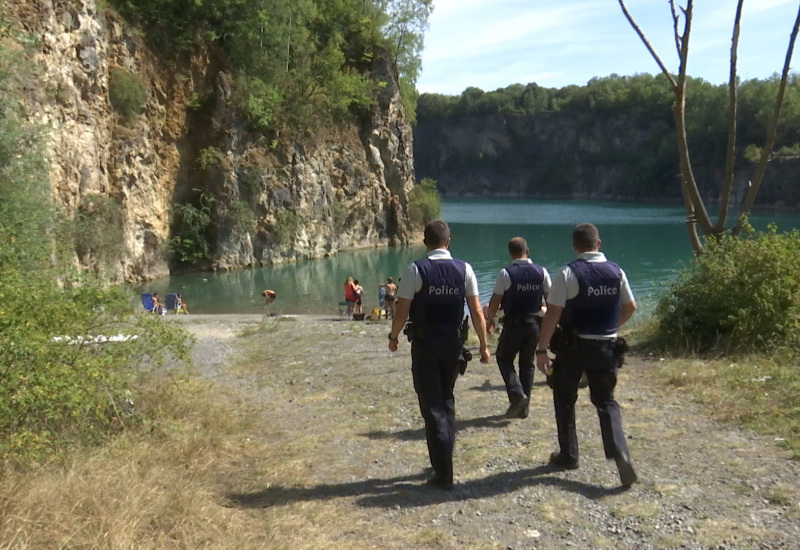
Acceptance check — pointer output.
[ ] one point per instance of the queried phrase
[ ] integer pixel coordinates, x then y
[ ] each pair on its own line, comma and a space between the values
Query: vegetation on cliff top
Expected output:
643, 103
295, 60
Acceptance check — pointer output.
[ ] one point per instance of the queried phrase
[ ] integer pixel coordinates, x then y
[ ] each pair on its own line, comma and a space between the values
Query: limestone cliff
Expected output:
576, 155
309, 196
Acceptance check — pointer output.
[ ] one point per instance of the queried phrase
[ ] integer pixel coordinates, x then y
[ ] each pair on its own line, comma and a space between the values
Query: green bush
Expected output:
126, 93
97, 229
59, 386
424, 203
286, 225
189, 242
740, 295
239, 217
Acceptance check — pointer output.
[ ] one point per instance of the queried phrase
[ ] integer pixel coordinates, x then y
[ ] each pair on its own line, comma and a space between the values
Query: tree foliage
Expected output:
644, 102
294, 60
424, 203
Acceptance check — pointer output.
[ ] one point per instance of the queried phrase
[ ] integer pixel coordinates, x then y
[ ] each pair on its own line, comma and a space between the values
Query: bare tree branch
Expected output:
730, 156
647, 44
750, 197
675, 33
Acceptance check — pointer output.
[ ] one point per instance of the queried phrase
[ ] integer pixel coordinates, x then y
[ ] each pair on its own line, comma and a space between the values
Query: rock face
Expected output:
306, 196
568, 155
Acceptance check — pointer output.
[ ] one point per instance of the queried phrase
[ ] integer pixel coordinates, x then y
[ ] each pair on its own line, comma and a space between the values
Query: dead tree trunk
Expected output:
696, 214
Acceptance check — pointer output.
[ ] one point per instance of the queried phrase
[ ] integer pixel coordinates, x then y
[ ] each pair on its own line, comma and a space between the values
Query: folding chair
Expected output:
147, 302
171, 302
344, 310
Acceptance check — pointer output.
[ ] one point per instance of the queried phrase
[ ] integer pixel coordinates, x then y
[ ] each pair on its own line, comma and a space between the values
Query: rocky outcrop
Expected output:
573, 155
307, 196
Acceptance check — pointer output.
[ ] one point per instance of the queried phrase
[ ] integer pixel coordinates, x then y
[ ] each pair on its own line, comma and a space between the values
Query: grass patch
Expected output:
150, 488
712, 533
760, 392
637, 510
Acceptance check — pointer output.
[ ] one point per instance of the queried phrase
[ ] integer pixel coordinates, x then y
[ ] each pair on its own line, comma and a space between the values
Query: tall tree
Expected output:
696, 213
405, 32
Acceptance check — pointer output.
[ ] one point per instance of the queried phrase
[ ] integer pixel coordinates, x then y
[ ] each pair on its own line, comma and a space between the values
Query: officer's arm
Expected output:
551, 319
401, 308
479, 323
626, 312
494, 305
549, 323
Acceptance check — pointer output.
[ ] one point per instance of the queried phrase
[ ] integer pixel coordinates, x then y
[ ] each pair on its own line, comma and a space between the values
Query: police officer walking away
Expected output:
431, 295
519, 288
591, 299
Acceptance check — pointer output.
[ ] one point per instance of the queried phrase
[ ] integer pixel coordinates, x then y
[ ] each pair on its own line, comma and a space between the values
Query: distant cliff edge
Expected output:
571, 155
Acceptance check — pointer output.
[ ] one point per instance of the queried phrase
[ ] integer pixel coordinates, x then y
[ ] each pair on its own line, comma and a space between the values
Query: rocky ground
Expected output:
335, 386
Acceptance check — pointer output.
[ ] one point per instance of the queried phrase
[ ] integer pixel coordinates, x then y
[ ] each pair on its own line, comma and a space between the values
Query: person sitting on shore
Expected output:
158, 306
182, 306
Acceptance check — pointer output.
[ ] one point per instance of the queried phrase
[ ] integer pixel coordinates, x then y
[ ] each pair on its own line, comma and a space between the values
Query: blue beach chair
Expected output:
171, 302
147, 301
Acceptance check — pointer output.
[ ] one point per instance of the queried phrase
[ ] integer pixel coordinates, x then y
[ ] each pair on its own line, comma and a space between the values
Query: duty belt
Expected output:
527, 320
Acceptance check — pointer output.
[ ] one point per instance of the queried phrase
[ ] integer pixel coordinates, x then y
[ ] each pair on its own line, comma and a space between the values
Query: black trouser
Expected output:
517, 338
434, 365
598, 360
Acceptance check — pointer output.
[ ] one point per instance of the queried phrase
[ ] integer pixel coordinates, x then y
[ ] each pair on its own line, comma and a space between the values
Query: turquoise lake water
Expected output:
649, 242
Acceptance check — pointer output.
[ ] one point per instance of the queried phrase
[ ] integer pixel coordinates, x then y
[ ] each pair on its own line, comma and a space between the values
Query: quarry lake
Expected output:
649, 242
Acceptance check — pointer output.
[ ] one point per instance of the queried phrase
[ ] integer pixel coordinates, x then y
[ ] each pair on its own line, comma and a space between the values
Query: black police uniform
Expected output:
436, 313
592, 318
521, 304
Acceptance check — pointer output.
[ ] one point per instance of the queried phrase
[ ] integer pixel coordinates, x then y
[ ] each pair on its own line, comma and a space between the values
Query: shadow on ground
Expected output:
412, 491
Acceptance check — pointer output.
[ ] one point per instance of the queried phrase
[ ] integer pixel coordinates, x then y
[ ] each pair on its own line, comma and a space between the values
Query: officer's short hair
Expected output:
436, 233
585, 237
517, 247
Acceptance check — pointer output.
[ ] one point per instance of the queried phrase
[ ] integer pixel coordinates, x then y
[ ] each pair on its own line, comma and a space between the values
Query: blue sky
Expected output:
491, 44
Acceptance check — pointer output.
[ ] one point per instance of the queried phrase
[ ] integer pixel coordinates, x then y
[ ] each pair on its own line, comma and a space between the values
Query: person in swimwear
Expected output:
390, 298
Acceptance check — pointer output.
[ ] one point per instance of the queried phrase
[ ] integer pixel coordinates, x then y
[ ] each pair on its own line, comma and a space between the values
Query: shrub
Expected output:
97, 229
286, 225
259, 101
239, 217
59, 386
740, 295
210, 157
424, 203
189, 242
126, 93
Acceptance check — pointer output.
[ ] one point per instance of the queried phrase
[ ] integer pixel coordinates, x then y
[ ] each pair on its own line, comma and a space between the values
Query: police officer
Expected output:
519, 288
431, 295
591, 299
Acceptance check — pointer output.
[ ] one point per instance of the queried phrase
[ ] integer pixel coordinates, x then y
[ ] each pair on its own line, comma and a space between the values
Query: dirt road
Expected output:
333, 390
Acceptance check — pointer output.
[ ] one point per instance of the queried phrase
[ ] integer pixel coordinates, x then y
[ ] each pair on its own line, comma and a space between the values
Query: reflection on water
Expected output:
649, 242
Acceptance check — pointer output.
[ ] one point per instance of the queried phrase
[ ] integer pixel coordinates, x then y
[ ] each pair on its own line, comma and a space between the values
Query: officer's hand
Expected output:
543, 362
393, 345
490, 326
485, 355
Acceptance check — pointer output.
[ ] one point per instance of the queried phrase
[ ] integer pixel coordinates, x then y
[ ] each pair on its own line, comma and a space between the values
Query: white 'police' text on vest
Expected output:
603, 290
443, 290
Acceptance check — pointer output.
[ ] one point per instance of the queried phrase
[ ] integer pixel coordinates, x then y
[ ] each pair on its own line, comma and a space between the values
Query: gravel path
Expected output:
335, 384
